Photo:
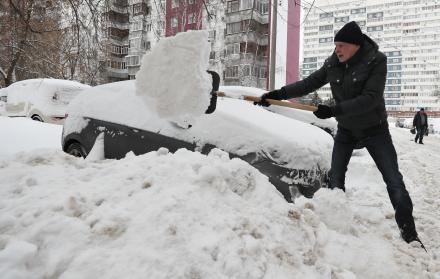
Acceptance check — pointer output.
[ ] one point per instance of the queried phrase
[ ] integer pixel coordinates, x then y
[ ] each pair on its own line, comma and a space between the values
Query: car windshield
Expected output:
63, 96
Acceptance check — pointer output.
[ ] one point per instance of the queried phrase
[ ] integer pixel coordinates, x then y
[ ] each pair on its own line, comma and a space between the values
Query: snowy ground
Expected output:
186, 215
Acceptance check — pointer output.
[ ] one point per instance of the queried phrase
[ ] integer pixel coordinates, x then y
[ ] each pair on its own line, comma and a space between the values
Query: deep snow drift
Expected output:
187, 215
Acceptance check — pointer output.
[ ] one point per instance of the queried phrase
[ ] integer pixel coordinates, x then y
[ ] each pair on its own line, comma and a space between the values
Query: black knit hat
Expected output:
350, 33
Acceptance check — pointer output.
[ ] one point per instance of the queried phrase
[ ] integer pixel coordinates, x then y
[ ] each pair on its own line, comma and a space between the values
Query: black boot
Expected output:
408, 233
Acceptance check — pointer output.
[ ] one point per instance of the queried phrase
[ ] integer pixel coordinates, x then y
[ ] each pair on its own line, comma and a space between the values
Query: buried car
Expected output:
294, 155
41, 99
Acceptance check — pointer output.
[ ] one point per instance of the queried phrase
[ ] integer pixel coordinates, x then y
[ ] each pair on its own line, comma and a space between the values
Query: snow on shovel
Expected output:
215, 93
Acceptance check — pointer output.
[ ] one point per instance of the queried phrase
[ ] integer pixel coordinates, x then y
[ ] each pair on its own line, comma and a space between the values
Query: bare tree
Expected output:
28, 35
81, 43
48, 38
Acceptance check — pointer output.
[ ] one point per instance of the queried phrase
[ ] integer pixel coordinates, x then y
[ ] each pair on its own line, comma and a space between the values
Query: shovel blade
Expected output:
215, 87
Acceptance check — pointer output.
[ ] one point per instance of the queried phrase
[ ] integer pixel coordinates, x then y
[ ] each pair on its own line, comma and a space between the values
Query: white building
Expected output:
406, 31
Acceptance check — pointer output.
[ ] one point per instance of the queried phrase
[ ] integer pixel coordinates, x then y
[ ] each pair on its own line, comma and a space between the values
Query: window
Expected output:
191, 18
263, 72
174, 4
117, 64
232, 6
326, 15
310, 59
375, 15
342, 19
211, 34
137, 25
146, 45
374, 28
132, 60
246, 4
358, 11
174, 22
232, 28
262, 7
246, 70
119, 49
231, 72
361, 23
233, 49
135, 43
325, 40
212, 55
137, 8
326, 27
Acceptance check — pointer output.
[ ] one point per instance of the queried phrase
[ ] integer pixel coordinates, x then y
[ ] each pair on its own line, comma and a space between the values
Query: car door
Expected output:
121, 139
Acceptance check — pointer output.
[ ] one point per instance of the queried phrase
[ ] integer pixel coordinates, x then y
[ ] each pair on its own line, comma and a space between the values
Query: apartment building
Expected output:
131, 28
406, 31
238, 32
115, 40
246, 41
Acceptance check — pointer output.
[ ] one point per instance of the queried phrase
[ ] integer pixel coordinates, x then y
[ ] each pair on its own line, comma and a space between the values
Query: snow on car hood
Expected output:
236, 126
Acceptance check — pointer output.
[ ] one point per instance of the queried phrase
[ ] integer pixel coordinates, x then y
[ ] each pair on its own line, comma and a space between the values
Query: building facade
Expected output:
131, 28
406, 31
238, 33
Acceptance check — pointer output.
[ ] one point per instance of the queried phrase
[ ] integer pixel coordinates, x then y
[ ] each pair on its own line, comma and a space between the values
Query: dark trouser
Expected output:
380, 146
420, 132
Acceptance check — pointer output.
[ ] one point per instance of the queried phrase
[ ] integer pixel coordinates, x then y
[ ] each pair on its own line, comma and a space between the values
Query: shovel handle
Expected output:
273, 102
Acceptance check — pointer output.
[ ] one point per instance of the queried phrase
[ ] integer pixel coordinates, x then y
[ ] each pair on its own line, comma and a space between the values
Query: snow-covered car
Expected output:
294, 155
400, 122
41, 99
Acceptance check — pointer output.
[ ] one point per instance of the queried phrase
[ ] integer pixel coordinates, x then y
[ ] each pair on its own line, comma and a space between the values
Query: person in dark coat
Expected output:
420, 121
357, 73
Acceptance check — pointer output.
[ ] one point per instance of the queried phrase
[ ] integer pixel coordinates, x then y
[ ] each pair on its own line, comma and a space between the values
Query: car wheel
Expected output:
76, 149
37, 118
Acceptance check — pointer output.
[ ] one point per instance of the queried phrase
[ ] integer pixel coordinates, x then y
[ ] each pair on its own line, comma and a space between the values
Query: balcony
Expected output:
250, 37
117, 73
245, 15
112, 6
119, 25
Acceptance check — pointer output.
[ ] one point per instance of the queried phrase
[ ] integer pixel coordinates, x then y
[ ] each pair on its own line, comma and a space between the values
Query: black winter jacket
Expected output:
417, 122
357, 86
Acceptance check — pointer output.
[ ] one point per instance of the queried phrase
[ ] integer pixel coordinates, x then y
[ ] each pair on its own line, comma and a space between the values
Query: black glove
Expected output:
274, 95
324, 111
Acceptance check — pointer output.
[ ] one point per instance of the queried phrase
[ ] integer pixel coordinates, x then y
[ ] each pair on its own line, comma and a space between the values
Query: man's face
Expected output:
345, 51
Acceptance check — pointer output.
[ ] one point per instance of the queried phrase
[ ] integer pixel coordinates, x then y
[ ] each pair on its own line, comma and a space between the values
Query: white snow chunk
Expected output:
176, 69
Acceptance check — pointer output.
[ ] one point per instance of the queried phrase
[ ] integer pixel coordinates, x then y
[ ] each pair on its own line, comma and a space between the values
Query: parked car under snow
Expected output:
43, 99
294, 155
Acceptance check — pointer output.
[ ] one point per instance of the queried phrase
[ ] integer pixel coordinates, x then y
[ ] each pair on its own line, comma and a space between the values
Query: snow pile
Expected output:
173, 78
187, 215
23, 134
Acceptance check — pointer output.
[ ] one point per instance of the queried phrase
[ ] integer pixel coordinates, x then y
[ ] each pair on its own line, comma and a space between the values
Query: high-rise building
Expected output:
131, 27
116, 30
246, 43
406, 31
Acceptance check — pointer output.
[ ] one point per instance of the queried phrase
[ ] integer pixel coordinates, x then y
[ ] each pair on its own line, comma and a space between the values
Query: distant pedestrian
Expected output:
421, 123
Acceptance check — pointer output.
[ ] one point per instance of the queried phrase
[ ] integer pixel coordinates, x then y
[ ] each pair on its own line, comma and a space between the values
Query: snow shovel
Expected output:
215, 93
